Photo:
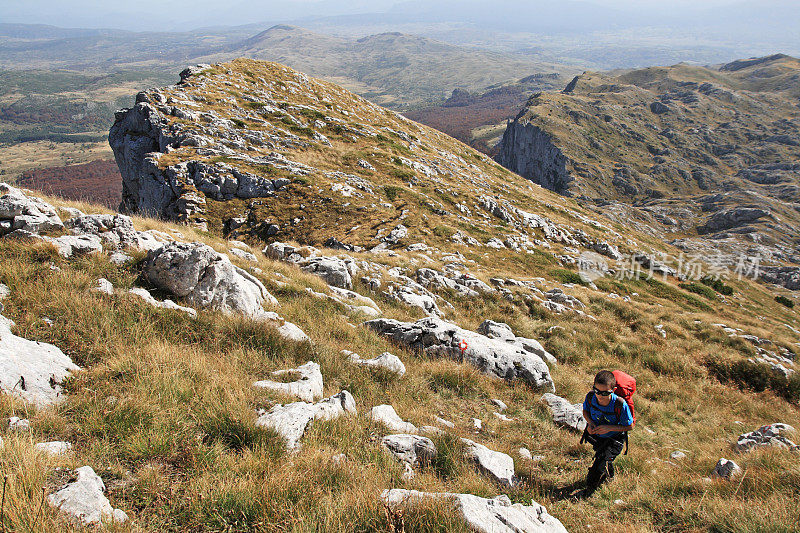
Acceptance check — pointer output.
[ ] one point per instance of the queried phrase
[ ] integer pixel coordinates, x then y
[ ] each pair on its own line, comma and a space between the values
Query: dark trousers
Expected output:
605, 451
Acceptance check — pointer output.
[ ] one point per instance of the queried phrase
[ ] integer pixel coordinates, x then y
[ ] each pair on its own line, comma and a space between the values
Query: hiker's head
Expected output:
604, 383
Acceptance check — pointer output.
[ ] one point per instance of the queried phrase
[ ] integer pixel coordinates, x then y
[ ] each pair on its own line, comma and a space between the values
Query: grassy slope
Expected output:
165, 409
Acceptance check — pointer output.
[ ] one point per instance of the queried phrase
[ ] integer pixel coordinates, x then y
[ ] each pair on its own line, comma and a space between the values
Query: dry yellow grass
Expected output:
165, 410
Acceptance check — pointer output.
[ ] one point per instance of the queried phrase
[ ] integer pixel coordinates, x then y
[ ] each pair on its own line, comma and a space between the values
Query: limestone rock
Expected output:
104, 286
726, 469
166, 304
84, 501
31, 370
771, 435
19, 424
71, 245
410, 449
206, 278
116, 230
292, 420
386, 415
333, 270
497, 465
437, 337
502, 331
387, 361
27, 213
564, 413
54, 448
308, 387
496, 515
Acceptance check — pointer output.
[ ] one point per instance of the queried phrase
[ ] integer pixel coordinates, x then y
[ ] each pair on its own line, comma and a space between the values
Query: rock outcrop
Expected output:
530, 152
495, 357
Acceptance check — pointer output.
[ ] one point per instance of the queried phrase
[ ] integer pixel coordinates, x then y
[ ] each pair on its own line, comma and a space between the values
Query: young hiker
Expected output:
608, 420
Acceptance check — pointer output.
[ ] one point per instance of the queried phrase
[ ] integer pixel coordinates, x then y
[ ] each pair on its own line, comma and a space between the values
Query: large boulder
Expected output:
732, 218
502, 331
496, 357
495, 515
84, 501
206, 278
31, 370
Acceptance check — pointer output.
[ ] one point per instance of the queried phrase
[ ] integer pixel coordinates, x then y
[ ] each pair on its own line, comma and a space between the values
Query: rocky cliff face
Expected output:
529, 151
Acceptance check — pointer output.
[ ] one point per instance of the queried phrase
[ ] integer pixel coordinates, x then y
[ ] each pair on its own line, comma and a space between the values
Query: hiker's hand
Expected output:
602, 430
590, 428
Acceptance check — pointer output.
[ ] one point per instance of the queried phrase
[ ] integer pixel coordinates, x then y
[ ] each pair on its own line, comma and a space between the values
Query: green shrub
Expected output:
717, 285
784, 301
702, 290
392, 191
757, 377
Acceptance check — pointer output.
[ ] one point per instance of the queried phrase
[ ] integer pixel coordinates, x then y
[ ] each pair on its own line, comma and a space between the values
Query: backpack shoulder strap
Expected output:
618, 408
589, 397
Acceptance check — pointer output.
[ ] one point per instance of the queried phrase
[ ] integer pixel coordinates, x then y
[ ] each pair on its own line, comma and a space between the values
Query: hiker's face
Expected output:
603, 400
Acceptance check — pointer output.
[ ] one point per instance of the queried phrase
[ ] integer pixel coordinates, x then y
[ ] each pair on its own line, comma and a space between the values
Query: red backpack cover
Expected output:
625, 388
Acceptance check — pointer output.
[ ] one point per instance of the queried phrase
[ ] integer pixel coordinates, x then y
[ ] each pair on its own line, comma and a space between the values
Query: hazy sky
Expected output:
188, 14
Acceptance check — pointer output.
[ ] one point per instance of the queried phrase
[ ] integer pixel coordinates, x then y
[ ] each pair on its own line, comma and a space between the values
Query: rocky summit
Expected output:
314, 314
705, 158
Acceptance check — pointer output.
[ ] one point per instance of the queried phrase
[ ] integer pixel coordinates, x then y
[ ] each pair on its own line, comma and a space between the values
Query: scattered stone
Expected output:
84, 501
195, 271
287, 330
104, 286
19, 424
771, 435
31, 370
677, 455
502, 417
564, 413
292, 420
54, 448
116, 230
445, 423
496, 515
437, 337
386, 415
497, 465
477, 424
308, 387
525, 453
726, 469
499, 404
387, 361
660, 329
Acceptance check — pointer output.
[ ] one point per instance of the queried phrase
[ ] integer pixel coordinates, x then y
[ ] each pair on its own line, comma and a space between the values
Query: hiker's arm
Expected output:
602, 430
